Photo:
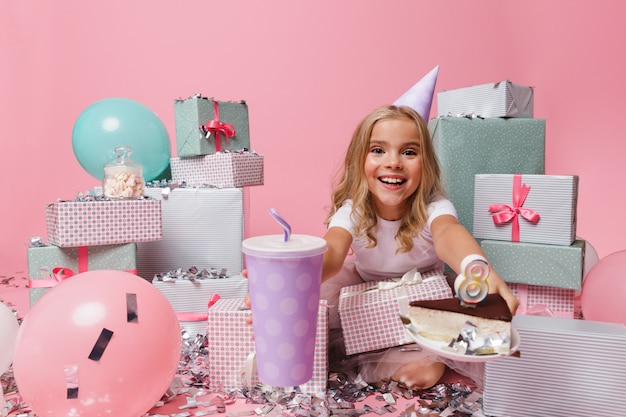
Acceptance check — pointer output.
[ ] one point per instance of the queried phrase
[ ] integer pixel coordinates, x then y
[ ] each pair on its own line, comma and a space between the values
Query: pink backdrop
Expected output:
308, 71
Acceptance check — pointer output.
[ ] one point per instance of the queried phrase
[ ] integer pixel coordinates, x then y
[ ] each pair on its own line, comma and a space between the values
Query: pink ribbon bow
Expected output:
58, 274
217, 127
505, 214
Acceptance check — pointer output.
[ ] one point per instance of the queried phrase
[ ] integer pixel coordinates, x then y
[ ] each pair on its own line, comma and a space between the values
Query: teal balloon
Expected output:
113, 122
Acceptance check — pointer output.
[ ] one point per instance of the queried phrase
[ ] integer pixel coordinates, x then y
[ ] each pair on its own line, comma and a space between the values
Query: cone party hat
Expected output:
420, 96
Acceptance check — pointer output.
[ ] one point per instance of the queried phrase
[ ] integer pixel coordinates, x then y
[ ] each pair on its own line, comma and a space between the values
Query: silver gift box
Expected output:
187, 296
202, 228
501, 99
566, 367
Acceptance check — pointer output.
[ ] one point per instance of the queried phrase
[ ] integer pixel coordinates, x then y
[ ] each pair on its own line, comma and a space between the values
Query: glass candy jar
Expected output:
123, 178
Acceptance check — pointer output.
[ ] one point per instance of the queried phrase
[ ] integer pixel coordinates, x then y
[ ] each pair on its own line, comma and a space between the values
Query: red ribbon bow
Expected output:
217, 127
505, 214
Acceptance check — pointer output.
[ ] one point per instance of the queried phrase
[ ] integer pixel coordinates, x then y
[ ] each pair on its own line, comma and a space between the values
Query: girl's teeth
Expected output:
391, 180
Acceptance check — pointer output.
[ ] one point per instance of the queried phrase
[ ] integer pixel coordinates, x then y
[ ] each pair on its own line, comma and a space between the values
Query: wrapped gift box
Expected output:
545, 301
194, 295
566, 368
370, 312
46, 260
526, 208
536, 263
221, 170
501, 99
469, 146
93, 223
231, 347
202, 227
193, 116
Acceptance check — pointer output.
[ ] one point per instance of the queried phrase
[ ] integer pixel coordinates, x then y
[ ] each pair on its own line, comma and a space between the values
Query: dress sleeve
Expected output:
343, 218
440, 207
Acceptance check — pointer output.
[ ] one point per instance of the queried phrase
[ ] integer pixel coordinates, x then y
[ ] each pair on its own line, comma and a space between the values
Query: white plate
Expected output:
437, 348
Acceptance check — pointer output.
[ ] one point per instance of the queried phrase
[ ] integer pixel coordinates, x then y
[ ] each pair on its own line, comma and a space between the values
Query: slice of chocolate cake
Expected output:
447, 321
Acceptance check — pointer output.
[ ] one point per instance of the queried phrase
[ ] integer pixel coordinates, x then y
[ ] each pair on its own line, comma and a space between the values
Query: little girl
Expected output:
389, 208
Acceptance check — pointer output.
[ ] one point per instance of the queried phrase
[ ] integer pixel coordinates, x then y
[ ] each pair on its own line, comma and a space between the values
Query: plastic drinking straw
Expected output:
282, 222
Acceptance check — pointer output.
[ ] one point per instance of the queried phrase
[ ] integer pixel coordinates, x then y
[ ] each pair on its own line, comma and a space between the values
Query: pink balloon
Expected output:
108, 338
604, 290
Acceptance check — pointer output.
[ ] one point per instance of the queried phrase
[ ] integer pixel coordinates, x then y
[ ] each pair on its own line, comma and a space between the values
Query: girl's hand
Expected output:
497, 285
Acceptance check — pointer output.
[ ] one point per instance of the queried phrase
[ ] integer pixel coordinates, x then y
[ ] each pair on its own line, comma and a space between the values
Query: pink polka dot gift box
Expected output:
221, 170
92, 223
370, 312
231, 359
545, 301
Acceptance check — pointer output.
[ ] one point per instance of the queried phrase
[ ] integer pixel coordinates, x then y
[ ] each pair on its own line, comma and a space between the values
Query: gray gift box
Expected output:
469, 146
501, 99
195, 113
537, 263
42, 260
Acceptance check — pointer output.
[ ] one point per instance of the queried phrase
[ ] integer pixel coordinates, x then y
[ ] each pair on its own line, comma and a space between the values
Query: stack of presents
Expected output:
491, 149
184, 236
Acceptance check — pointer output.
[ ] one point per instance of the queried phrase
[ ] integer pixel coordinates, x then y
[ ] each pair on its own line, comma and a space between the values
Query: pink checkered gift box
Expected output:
370, 312
539, 300
231, 348
221, 170
93, 223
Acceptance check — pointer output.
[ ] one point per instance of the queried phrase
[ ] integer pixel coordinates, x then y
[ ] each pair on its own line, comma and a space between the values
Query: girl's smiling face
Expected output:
393, 166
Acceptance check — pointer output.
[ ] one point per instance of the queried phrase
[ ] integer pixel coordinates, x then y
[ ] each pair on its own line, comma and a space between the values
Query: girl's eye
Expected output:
376, 150
410, 152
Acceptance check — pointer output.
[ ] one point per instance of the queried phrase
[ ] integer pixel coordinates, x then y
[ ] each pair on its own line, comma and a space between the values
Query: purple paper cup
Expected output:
284, 283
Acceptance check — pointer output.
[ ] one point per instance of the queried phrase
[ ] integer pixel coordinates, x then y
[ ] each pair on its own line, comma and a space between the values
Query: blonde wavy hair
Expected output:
352, 184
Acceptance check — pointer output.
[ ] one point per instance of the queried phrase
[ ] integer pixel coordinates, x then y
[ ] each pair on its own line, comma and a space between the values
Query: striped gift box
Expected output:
202, 227
501, 99
567, 367
221, 170
526, 208
187, 296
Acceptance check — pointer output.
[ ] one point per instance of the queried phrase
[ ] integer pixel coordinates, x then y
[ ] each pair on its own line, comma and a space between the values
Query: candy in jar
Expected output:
123, 178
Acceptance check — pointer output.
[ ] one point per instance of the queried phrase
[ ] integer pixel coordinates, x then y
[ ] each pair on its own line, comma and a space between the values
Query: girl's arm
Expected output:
453, 243
338, 240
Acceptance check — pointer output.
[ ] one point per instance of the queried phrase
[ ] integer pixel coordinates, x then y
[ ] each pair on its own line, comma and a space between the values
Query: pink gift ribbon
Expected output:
505, 214
217, 127
186, 316
536, 310
61, 273
189, 316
